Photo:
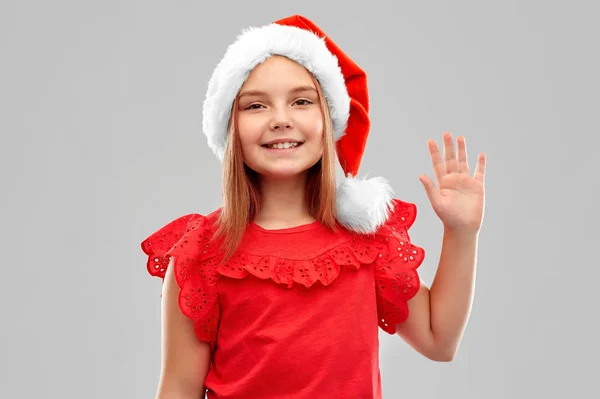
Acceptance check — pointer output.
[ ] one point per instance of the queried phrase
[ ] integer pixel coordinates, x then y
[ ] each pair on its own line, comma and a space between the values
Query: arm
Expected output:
438, 316
185, 359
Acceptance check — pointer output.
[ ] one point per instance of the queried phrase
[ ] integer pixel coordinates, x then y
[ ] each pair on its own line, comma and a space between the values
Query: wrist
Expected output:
461, 233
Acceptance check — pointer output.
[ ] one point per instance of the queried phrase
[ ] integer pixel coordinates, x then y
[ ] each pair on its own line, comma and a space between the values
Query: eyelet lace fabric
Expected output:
396, 274
187, 241
197, 266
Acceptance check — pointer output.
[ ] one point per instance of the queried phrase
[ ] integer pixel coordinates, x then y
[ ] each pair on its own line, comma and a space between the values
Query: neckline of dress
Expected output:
286, 230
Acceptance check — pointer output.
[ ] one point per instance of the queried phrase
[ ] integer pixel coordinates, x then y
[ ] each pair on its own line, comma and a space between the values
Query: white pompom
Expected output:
363, 205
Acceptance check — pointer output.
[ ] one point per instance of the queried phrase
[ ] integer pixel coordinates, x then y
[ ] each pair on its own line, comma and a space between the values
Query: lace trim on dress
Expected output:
198, 267
390, 250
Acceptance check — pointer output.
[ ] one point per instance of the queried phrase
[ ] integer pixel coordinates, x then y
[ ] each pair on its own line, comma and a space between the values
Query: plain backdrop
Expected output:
102, 144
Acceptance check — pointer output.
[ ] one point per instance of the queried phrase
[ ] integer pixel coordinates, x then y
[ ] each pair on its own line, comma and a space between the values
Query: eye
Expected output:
253, 106
303, 102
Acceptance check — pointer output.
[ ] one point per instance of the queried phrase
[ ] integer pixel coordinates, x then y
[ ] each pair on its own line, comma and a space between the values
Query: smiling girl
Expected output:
280, 292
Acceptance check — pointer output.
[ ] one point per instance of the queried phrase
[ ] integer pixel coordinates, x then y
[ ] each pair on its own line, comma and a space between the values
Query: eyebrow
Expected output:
261, 93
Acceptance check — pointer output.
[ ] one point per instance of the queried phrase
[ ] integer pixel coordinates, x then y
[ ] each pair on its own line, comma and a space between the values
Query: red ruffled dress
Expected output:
295, 313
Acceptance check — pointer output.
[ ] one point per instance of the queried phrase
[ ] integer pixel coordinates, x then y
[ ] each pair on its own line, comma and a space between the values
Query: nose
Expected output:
281, 121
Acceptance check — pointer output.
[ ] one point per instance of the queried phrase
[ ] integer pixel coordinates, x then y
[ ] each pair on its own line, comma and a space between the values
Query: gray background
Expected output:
102, 144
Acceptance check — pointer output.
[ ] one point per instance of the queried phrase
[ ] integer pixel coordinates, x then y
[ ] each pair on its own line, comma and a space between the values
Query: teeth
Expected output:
283, 145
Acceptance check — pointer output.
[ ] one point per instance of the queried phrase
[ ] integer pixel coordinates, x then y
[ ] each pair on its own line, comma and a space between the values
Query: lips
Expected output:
281, 145
283, 140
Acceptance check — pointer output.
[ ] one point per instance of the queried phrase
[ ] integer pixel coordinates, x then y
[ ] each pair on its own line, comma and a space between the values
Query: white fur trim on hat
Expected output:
253, 47
363, 205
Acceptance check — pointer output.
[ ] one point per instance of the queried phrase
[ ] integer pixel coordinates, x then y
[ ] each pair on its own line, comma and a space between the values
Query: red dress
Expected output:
295, 312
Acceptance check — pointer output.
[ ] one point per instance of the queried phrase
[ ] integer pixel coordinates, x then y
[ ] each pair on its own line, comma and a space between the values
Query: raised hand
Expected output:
459, 198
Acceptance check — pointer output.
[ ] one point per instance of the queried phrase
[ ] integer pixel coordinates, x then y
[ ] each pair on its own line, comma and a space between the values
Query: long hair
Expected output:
241, 191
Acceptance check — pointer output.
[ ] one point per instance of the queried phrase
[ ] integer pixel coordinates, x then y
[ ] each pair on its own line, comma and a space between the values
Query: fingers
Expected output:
463, 164
480, 169
449, 163
429, 186
449, 155
439, 168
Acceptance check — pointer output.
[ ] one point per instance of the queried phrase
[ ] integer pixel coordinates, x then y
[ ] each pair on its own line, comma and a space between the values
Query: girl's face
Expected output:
279, 103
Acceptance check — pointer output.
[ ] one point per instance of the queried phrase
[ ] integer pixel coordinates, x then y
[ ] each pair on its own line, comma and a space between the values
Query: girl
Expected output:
279, 293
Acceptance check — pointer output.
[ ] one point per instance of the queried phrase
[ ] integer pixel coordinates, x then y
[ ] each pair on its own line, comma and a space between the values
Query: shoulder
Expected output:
185, 243
181, 234
396, 265
402, 216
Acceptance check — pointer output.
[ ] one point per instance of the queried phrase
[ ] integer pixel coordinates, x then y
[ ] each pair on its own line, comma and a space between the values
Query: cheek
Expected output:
313, 126
249, 131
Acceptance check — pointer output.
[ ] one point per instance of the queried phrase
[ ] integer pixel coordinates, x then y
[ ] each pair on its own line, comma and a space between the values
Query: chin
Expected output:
280, 172
282, 168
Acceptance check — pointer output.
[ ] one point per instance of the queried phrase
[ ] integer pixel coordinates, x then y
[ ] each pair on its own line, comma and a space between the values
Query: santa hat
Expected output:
362, 205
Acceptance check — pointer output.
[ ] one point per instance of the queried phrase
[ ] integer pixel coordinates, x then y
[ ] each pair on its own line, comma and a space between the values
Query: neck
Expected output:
283, 201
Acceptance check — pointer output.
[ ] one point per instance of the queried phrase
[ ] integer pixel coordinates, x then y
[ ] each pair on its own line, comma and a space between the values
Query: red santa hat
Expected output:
362, 205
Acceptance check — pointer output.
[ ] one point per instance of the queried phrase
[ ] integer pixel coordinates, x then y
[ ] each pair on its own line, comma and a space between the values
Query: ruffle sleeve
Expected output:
396, 275
187, 240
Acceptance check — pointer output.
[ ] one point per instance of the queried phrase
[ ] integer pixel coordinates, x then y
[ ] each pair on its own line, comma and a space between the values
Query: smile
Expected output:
282, 146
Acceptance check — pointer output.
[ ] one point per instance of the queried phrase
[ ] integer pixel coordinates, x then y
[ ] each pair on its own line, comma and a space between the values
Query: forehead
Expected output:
277, 72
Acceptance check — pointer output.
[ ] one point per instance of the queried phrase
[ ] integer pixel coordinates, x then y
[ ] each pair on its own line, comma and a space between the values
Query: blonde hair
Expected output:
241, 192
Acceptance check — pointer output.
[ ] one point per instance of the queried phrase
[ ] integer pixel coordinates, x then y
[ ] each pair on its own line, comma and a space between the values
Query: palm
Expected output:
458, 200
